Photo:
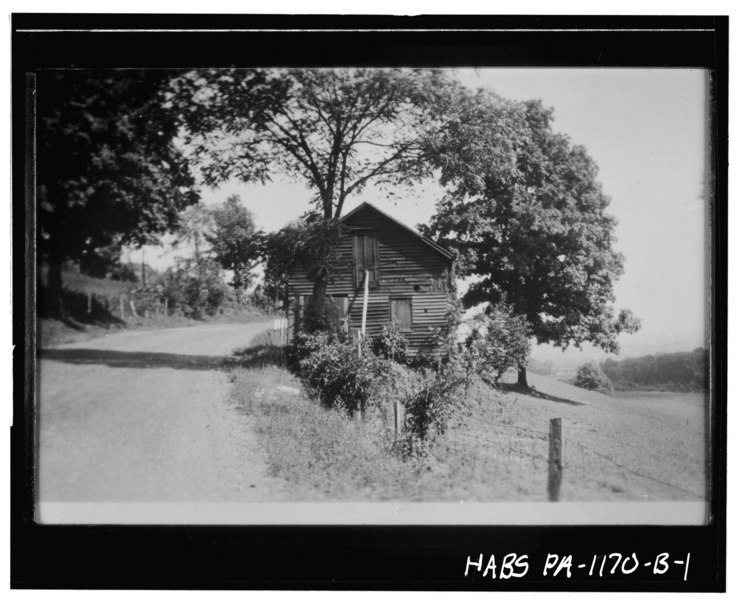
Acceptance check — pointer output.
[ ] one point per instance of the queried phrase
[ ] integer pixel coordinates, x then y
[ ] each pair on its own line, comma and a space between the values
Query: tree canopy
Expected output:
234, 241
528, 219
108, 172
335, 129
195, 224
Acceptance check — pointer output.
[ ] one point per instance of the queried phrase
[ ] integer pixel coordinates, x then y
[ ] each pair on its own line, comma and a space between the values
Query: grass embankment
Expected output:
327, 453
495, 448
101, 317
330, 456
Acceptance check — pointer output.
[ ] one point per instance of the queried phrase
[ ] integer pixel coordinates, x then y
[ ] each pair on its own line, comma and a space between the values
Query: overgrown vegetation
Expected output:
591, 377
328, 454
366, 379
673, 372
339, 375
364, 382
391, 344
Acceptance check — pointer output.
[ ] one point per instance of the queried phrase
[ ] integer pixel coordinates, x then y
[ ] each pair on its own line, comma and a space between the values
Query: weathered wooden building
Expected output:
408, 278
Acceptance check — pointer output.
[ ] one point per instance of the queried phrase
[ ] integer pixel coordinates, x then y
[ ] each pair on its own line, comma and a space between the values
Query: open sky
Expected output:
647, 130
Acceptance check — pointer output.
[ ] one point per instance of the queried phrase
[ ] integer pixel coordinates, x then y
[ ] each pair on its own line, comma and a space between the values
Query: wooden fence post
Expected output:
132, 307
554, 476
166, 307
122, 307
398, 422
89, 302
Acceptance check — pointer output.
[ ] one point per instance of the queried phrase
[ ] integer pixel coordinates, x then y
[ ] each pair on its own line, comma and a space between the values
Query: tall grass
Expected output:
322, 451
329, 455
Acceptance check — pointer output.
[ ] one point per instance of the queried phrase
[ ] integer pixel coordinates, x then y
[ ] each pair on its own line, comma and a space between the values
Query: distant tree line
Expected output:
674, 371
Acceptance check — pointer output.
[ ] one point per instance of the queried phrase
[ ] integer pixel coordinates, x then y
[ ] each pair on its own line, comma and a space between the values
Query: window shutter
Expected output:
401, 313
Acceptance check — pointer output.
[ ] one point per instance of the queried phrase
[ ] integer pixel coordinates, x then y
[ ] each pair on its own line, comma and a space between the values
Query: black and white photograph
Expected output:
327, 294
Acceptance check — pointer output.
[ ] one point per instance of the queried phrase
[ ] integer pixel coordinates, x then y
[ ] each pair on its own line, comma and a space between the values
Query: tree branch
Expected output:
378, 169
299, 142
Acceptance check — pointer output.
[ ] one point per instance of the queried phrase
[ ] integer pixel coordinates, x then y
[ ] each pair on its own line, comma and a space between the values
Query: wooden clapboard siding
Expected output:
342, 280
377, 314
421, 342
408, 267
430, 309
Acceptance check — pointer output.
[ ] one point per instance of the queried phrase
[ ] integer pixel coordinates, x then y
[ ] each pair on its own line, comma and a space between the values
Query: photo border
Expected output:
377, 557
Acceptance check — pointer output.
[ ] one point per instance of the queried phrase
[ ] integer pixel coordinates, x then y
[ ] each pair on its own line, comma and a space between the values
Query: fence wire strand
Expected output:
585, 462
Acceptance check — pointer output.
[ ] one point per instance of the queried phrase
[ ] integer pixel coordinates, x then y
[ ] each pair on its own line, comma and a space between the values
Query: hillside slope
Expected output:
635, 448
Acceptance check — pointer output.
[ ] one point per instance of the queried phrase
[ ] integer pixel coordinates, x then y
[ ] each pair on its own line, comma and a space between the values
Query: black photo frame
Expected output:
338, 557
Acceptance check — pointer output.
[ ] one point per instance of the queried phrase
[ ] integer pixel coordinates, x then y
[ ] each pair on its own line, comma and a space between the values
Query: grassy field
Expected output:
614, 448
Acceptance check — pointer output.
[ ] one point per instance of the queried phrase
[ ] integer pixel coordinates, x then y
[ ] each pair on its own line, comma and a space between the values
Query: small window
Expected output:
401, 313
366, 257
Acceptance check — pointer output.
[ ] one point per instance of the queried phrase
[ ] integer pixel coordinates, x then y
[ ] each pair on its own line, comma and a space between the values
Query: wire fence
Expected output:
587, 462
522, 457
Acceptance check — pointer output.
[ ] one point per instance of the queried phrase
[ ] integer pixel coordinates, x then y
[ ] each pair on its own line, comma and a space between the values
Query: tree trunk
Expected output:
238, 285
521, 381
55, 302
314, 315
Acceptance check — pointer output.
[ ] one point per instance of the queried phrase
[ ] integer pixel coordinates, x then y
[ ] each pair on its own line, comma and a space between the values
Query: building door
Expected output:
365, 255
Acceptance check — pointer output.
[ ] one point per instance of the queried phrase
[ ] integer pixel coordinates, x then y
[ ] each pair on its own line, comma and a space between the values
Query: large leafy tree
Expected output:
532, 230
196, 224
235, 242
334, 129
108, 172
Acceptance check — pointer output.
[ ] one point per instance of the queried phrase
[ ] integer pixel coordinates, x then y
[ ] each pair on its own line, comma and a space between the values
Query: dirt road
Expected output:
145, 416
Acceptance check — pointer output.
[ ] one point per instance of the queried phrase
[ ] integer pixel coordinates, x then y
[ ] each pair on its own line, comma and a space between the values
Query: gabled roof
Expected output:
434, 246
